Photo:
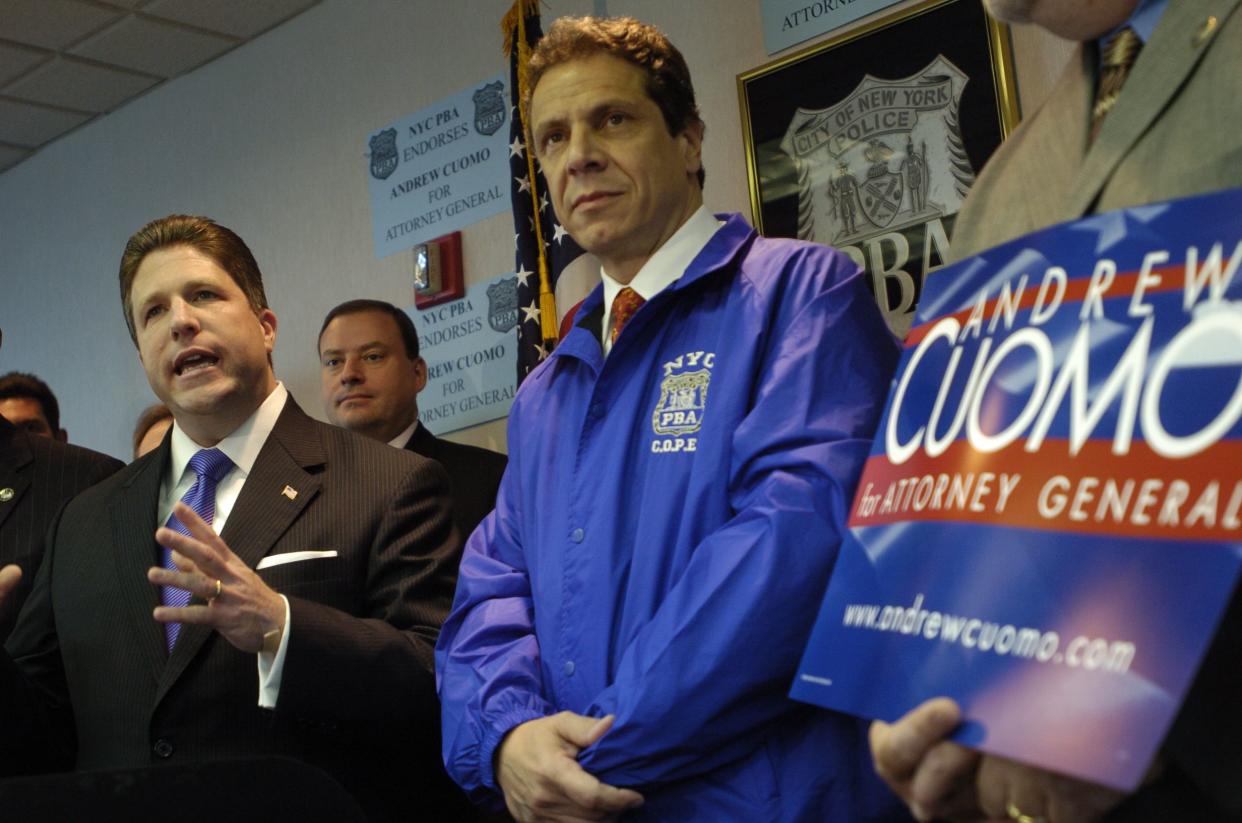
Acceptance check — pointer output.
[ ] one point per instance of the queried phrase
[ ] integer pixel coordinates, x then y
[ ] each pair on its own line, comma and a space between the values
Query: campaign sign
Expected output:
471, 355
440, 169
788, 22
1047, 528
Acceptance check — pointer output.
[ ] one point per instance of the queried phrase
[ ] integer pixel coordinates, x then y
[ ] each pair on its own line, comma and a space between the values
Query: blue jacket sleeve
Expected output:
487, 657
697, 685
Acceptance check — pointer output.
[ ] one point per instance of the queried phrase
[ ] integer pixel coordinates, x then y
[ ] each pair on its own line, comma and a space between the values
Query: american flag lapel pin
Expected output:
289, 492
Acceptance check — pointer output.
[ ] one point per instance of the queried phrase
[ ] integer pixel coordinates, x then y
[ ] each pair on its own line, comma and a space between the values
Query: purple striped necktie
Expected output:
210, 466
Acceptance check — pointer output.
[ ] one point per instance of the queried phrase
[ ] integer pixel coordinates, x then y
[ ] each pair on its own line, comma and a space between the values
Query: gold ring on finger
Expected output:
219, 588
1016, 814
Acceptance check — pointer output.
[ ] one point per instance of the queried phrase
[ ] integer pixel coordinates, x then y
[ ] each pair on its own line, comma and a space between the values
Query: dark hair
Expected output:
643, 45
20, 384
205, 236
149, 417
409, 335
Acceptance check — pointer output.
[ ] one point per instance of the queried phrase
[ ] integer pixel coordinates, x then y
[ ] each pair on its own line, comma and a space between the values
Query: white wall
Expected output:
269, 140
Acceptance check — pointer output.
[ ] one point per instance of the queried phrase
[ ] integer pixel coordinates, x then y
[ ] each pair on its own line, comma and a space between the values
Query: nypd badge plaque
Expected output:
871, 141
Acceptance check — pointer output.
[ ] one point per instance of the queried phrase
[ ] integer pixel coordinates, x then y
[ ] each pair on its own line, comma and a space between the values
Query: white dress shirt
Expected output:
403, 439
242, 447
663, 268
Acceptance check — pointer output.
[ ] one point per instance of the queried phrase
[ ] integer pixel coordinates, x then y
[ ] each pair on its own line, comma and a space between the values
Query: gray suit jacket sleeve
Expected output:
1175, 131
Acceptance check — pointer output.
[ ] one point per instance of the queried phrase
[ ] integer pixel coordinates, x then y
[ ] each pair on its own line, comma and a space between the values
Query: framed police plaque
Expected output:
870, 141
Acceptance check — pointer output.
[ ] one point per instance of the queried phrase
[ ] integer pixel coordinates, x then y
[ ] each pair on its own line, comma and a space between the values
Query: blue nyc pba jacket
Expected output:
663, 537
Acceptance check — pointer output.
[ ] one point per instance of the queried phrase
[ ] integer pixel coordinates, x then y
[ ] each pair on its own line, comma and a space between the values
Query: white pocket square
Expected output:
292, 557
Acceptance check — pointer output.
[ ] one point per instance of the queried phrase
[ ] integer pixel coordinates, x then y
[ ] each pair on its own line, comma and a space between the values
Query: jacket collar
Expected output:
421, 440
734, 236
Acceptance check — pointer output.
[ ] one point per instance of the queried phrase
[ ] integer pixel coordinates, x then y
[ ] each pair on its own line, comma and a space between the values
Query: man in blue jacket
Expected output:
628, 620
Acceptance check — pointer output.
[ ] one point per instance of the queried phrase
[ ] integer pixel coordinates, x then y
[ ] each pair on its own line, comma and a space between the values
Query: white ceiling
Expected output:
65, 62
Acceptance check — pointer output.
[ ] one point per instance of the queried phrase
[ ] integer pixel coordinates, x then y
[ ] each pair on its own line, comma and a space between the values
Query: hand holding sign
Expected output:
942, 780
935, 777
1055, 467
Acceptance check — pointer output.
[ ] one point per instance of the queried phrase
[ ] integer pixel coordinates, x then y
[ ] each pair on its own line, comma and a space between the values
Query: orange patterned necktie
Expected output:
624, 305
1119, 57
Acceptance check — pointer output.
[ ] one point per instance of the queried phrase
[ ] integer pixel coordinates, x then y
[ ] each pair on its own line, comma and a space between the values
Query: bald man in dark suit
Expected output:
371, 375
37, 476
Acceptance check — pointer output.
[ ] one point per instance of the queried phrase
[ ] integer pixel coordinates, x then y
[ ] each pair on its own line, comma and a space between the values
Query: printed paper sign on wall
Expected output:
1049, 525
471, 355
441, 169
788, 22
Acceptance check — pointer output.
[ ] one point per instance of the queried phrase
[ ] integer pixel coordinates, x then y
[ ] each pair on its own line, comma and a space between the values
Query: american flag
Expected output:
553, 283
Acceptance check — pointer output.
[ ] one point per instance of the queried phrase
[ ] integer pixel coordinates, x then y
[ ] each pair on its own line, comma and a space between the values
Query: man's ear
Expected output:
420, 374
62, 435
691, 138
267, 319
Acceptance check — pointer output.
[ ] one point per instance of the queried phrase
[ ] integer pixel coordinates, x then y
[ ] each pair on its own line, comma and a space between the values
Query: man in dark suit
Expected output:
37, 476
28, 403
297, 589
372, 374
1168, 132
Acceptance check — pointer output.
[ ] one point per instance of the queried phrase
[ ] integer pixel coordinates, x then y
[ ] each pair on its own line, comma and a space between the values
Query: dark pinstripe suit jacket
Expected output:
37, 476
474, 475
88, 682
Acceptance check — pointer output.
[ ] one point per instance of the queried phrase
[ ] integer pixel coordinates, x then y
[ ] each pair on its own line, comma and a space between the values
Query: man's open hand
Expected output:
242, 607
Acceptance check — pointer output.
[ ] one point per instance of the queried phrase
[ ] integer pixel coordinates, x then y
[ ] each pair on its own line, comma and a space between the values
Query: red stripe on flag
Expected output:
567, 323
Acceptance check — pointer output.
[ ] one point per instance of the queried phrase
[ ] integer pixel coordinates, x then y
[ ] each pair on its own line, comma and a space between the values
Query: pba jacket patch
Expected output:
683, 402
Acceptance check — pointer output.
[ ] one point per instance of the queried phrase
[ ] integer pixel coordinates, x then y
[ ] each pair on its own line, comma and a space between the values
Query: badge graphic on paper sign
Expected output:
489, 108
502, 305
384, 154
